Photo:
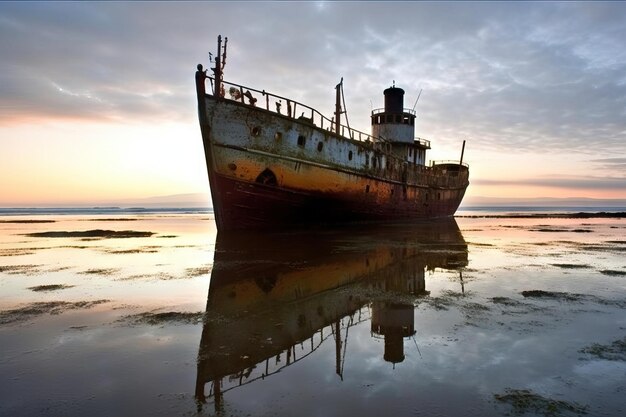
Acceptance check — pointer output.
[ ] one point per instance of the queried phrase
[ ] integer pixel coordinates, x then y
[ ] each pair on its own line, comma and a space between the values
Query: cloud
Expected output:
611, 164
512, 76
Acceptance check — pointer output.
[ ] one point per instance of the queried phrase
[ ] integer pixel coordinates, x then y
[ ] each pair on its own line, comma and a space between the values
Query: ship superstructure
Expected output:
274, 162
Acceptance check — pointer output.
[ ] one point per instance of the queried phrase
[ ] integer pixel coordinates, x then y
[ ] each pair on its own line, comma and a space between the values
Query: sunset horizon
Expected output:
98, 102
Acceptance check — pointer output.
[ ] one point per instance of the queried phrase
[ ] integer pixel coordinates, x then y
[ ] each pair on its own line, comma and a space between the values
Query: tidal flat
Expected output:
160, 315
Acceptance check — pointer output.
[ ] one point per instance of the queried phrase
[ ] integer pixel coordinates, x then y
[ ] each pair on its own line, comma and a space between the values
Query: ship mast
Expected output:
338, 111
220, 61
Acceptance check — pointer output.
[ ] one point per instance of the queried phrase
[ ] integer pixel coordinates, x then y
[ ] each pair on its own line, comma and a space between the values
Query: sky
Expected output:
97, 99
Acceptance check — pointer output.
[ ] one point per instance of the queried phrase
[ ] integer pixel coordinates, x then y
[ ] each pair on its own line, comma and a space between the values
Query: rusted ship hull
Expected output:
302, 187
270, 168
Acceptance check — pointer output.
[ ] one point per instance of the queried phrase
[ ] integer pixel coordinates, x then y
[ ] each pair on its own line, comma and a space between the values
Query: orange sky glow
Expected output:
97, 100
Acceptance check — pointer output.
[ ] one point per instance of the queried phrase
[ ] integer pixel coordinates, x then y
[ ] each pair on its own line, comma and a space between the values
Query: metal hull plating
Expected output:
272, 170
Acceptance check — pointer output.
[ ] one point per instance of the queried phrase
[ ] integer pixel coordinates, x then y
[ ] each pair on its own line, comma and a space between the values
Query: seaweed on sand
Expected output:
26, 221
616, 351
524, 401
96, 233
51, 287
20, 269
552, 295
505, 301
196, 272
41, 308
565, 296
100, 271
168, 317
613, 272
571, 266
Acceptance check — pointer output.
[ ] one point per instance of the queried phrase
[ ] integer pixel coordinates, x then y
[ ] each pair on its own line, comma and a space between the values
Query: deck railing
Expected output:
405, 110
423, 142
289, 108
417, 174
449, 162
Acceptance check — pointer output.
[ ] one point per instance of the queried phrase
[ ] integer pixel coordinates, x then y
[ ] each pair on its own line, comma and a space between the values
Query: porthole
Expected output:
256, 131
320, 146
278, 136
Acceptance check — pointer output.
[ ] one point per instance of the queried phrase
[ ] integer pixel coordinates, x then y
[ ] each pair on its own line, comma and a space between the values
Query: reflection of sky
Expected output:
98, 98
87, 361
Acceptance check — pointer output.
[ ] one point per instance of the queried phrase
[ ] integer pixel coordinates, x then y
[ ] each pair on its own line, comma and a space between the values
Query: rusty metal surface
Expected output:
269, 170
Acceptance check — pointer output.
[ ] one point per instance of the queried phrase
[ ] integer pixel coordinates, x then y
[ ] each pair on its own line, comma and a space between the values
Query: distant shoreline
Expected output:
579, 215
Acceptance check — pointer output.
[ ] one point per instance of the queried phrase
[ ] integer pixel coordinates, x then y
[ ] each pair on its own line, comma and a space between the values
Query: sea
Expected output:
463, 211
126, 311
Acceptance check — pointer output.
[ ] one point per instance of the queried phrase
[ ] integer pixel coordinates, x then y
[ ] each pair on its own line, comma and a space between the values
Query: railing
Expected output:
405, 110
449, 162
424, 142
275, 103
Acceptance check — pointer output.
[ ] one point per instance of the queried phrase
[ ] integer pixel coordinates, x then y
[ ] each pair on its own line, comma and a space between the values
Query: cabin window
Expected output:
278, 136
373, 161
320, 146
256, 131
367, 159
301, 141
398, 118
350, 156
367, 188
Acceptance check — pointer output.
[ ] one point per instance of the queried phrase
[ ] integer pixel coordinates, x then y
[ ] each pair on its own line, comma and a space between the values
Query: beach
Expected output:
154, 313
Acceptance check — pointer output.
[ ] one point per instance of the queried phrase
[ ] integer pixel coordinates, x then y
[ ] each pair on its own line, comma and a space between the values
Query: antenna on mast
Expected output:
418, 99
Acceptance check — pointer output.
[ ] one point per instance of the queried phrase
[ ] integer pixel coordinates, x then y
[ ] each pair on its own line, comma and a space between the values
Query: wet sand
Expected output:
158, 315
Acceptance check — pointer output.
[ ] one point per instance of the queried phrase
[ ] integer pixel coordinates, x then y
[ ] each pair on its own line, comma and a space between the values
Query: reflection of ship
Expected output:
274, 299
269, 167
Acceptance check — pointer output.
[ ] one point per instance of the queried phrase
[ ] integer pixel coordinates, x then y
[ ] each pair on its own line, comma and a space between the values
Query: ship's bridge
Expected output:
396, 124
